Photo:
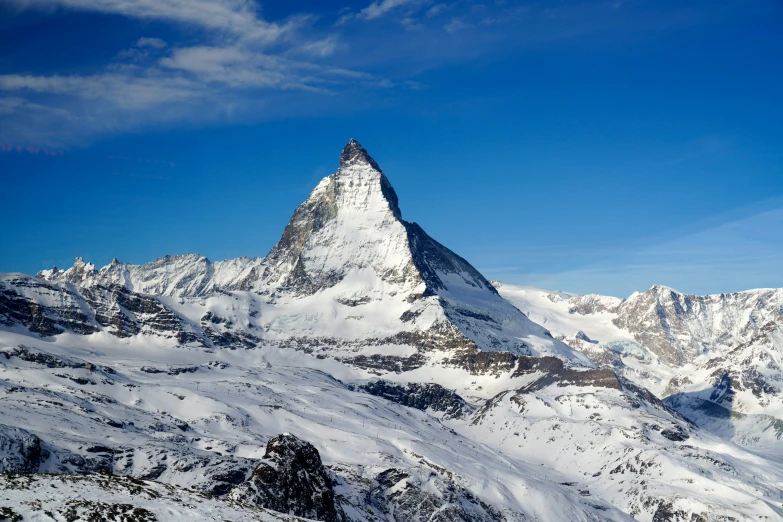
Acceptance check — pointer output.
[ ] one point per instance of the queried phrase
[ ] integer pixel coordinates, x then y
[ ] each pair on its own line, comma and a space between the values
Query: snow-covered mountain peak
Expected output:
349, 278
80, 272
658, 289
361, 184
354, 153
350, 222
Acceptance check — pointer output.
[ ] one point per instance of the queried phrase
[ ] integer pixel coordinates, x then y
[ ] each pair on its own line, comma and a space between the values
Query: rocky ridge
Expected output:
715, 358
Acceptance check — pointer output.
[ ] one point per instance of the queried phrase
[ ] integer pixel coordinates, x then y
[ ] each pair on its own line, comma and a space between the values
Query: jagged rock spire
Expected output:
354, 153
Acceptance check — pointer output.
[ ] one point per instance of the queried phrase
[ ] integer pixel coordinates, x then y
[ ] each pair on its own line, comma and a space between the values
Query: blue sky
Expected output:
587, 146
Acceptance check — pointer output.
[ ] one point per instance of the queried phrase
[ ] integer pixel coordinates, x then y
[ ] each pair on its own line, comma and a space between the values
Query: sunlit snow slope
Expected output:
718, 358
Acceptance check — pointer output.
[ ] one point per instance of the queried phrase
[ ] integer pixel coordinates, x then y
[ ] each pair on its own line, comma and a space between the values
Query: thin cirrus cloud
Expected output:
153, 43
740, 253
380, 8
238, 17
237, 65
154, 81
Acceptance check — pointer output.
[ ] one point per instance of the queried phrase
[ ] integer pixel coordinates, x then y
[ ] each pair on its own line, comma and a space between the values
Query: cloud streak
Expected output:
739, 254
222, 61
239, 17
380, 8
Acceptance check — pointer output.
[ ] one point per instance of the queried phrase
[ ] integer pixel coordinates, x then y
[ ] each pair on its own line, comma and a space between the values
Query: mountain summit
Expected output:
349, 244
353, 152
349, 278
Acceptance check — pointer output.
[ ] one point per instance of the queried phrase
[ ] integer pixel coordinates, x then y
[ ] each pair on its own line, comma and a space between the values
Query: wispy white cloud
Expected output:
234, 64
739, 254
380, 8
154, 43
455, 24
436, 9
237, 64
320, 48
153, 85
123, 90
239, 17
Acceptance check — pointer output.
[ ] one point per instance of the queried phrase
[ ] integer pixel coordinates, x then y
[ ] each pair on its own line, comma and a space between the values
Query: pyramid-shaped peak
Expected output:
354, 154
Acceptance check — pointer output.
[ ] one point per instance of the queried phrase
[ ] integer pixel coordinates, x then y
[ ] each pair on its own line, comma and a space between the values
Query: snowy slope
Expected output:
543, 447
716, 358
200, 419
47, 498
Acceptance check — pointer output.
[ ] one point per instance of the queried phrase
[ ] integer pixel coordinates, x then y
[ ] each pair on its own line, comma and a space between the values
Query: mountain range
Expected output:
362, 371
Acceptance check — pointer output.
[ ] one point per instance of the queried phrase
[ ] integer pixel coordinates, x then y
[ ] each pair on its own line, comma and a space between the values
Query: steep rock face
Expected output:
679, 327
673, 327
44, 308
349, 219
348, 244
49, 308
422, 396
739, 394
412, 496
20, 451
291, 479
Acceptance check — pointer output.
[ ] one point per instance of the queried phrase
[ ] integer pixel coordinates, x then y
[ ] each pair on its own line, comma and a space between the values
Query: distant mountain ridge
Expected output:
717, 358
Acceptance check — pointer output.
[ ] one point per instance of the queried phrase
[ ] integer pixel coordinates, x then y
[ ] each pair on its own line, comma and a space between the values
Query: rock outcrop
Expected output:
422, 396
291, 479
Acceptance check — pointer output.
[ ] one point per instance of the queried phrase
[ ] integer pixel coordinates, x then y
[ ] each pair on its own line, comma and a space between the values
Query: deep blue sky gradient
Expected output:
602, 150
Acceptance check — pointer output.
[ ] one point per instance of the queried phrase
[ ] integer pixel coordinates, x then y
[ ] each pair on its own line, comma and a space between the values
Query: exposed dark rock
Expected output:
430, 257
177, 370
291, 479
480, 363
18, 309
410, 498
666, 513
105, 511
583, 337
9, 515
427, 396
36, 357
20, 451
553, 371
386, 363
676, 434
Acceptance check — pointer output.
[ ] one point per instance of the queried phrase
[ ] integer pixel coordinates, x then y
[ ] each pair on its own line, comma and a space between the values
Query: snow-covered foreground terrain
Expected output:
46, 497
362, 372
191, 418
198, 418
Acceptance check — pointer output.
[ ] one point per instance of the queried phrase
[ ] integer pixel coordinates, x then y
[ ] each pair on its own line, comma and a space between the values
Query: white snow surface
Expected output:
546, 454
680, 346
